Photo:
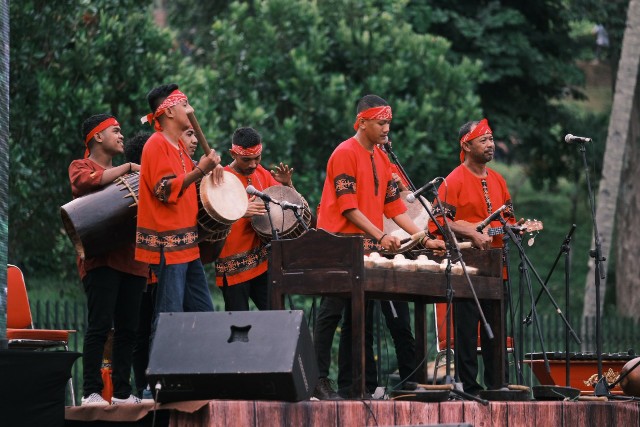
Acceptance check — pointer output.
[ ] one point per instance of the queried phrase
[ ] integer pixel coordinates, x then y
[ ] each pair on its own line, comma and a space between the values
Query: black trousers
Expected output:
113, 300
236, 297
467, 318
143, 336
398, 321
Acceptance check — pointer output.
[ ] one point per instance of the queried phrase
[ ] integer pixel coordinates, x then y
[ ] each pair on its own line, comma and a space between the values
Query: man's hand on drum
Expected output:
211, 162
282, 174
256, 207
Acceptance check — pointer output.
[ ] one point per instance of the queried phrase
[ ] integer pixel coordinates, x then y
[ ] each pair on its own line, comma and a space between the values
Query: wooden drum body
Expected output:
100, 222
418, 215
219, 207
284, 220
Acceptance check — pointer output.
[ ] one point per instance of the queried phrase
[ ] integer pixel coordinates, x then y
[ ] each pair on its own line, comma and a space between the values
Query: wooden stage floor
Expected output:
225, 413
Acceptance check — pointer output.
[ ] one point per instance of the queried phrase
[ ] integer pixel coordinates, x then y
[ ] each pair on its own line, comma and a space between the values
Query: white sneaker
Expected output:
94, 399
131, 400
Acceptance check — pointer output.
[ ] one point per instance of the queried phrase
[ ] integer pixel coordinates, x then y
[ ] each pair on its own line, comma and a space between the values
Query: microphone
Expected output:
428, 186
286, 205
387, 145
570, 139
252, 190
490, 218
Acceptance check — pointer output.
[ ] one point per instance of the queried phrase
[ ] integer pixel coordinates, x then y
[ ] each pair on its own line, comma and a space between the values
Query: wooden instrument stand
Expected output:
321, 263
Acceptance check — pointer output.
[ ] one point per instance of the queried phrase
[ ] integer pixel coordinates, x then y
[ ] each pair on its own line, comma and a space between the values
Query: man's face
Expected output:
376, 131
179, 113
246, 165
190, 141
481, 148
111, 139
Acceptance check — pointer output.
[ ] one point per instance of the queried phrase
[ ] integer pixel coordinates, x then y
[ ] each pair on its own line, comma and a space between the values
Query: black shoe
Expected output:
324, 391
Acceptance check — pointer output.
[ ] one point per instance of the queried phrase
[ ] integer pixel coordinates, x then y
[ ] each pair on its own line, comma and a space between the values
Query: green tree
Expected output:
70, 60
294, 69
528, 63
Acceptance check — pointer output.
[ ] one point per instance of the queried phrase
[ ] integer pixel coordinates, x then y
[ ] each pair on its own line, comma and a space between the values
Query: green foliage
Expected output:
294, 70
528, 65
73, 59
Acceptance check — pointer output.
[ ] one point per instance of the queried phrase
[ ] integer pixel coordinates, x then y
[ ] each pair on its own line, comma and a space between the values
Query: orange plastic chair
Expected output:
440, 314
20, 331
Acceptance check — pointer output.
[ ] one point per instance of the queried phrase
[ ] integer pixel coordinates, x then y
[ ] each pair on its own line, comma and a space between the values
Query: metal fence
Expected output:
618, 334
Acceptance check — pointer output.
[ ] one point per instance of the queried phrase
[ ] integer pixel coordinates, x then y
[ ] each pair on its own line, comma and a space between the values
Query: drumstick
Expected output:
198, 132
418, 236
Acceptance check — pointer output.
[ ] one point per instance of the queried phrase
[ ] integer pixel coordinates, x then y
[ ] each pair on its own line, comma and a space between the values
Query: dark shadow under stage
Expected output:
249, 413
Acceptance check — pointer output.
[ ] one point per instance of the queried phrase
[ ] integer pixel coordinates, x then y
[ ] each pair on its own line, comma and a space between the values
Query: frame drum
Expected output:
219, 207
284, 220
418, 215
102, 221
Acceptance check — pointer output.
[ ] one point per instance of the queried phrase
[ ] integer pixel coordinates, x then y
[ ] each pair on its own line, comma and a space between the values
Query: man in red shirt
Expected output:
241, 269
359, 190
167, 232
472, 193
113, 282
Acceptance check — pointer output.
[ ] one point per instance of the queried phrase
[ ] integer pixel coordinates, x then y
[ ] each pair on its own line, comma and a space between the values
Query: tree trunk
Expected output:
4, 165
628, 222
618, 138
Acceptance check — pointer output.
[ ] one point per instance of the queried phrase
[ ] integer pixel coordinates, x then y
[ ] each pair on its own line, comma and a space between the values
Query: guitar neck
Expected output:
495, 231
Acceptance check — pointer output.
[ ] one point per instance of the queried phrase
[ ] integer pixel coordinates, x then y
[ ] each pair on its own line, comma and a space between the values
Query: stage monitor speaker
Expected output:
247, 355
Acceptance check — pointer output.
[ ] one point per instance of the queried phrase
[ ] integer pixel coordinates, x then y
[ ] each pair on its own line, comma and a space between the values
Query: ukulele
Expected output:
529, 226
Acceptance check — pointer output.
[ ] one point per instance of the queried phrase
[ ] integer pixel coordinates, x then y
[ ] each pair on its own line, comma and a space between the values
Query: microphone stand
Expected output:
565, 249
526, 262
387, 148
602, 388
451, 243
596, 254
275, 236
296, 212
517, 347
274, 230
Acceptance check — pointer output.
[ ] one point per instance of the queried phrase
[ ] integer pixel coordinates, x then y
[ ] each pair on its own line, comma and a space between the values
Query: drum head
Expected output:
283, 220
418, 215
226, 202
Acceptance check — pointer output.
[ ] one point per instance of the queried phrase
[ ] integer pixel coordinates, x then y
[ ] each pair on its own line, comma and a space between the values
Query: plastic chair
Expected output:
20, 331
440, 314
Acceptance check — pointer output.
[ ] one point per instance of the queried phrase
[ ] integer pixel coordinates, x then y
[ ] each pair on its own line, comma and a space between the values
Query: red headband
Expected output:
374, 113
174, 98
111, 121
251, 151
482, 128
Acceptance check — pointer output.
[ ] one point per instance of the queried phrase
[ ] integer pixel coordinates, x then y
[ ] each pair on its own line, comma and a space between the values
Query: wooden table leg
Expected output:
358, 310
498, 327
421, 341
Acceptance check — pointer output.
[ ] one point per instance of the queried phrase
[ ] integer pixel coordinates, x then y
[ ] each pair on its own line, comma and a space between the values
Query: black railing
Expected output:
618, 334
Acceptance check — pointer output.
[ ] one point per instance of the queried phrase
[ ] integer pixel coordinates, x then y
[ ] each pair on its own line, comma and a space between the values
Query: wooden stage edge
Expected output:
214, 413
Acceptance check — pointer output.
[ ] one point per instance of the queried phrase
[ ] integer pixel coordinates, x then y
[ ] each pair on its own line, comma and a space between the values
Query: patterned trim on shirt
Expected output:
344, 184
172, 240
449, 210
393, 192
243, 261
162, 189
508, 212
487, 199
368, 243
